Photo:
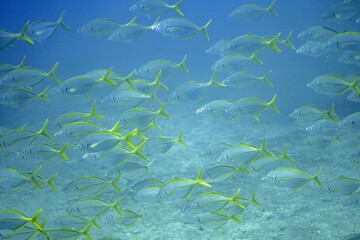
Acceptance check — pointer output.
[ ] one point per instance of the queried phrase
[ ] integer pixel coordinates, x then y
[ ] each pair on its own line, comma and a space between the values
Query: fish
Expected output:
7, 38
245, 79
107, 158
127, 218
215, 107
326, 127
250, 43
350, 57
73, 222
309, 114
155, 8
220, 48
221, 173
251, 106
243, 154
130, 32
91, 185
91, 207
346, 41
6, 68
126, 96
192, 91
151, 69
234, 62
180, 187
28, 77
341, 12
213, 151
353, 199
293, 177
161, 144
44, 28
212, 220
13, 219
252, 11
319, 141
314, 49
180, 28
21, 97
332, 84
126, 168
42, 151
13, 178
317, 33
343, 185
102, 27
351, 122
109, 78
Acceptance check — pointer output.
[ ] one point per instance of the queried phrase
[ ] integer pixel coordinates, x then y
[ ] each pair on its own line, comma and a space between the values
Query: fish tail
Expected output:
287, 41
113, 183
354, 86
42, 130
264, 149
179, 139
158, 83
265, 78
182, 65
316, 177
161, 111
106, 78
270, 8
253, 200
61, 23
137, 149
93, 113
23, 34
203, 29
127, 79
42, 95
285, 156
176, 7
35, 222
271, 103
273, 42
22, 63
254, 58
50, 181
63, 154
52, 73
214, 82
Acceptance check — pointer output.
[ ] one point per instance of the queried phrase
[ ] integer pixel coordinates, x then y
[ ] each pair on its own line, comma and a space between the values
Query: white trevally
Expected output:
252, 11
234, 62
155, 7
7, 37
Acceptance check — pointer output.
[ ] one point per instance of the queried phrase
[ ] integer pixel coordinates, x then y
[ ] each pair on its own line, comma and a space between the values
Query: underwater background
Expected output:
177, 188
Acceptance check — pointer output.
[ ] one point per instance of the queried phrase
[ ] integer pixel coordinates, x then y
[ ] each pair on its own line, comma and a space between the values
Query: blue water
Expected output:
308, 213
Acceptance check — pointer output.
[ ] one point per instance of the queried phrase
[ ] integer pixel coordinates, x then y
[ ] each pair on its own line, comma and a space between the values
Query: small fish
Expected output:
309, 114
327, 127
220, 48
125, 96
149, 182
151, 69
317, 34
212, 220
148, 194
108, 158
332, 84
252, 11
155, 7
222, 173
101, 27
234, 62
251, 106
292, 177
250, 43
245, 79
13, 219
350, 57
181, 187
318, 141
215, 107
42, 151
127, 218
91, 185
28, 77
351, 122
346, 41
21, 97
7, 37
314, 49
6, 68
127, 168
91, 207
343, 185
161, 144
191, 91
341, 12
73, 222
213, 151
44, 28
180, 28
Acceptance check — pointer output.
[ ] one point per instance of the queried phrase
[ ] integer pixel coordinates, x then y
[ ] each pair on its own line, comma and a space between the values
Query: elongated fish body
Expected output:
317, 34
125, 218
79, 85
136, 117
158, 145
245, 79
101, 27
220, 48
327, 127
331, 84
188, 92
343, 186
6, 68
90, 207
75, 131
251, 11
314, 49
120, 95
215, 107
90, 185
127, 168
210, 220
180, 28
44, 28
350, 57
129, 34
97, 142
213, 151
148, 194
7, 37
151, 69
351, 122
346, 41
316, 142
19, 97
309, 114
154, 8
234, 62
219, 173
341, 12
107, 159
239, 155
